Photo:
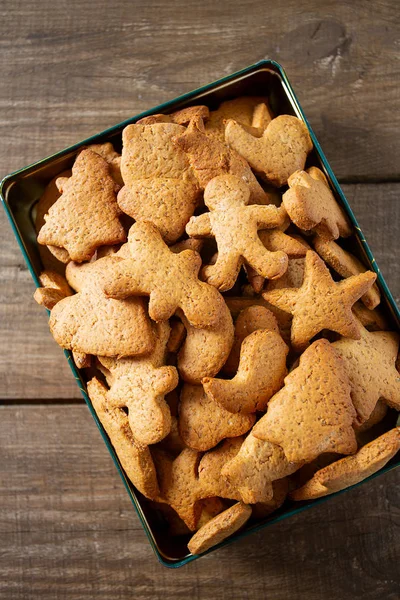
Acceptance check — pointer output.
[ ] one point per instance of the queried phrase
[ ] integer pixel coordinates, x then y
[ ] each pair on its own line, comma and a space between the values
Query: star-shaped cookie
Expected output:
321, 303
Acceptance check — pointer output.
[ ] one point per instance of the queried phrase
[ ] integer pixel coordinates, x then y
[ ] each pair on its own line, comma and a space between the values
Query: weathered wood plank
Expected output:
69, 70
68, 530
33, 366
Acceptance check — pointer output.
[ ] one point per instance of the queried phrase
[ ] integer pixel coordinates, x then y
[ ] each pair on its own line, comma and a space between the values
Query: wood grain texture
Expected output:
69, 531
70, 69
33, 366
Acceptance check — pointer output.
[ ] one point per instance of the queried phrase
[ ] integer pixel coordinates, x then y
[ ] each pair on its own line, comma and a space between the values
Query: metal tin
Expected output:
21, 190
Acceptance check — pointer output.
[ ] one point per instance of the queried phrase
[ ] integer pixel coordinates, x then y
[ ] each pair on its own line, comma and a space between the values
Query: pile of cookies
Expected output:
232, 346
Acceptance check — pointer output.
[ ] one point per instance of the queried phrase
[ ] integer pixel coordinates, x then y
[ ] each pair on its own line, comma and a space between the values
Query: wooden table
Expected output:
70, 69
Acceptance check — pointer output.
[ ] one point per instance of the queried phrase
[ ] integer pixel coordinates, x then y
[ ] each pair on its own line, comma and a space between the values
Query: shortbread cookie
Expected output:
346, 265
282, 149
180, 117
210, 158
90, 322
352, 469
250, 111
55, 288
203, 423
234, 226
370, 363
159, 184
171, 280
313, 413
219, 528
261, 371
86, 214
140, 384
249, 319
135, 459
257, 464
321, 303
312, 206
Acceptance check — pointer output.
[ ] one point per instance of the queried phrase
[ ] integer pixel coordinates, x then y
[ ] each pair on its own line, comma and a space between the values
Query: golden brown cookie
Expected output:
135, 458
210, 479
55, 288
252, 471
282, 149
377, 415
373, 320
140, 384
280, 488
235, 228
179, 484
90, 322
313, 413
204, 423
249, 319
321, 303
204, 351
261, 371
312, 206
346, 265
210, 158
370, 363
52, 258
86, 214
249, 111
180, 117
109, 154
171, 280
159, 184
219, 528
210, 508
352, 469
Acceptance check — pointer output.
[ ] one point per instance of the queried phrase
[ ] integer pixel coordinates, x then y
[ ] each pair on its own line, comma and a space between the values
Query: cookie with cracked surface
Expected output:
279, 152
313, 413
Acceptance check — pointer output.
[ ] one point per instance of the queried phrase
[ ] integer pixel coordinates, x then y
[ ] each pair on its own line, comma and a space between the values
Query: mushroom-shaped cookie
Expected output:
234, 225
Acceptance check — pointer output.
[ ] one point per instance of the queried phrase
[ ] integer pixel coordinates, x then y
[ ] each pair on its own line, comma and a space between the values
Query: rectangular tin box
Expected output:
21, 190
